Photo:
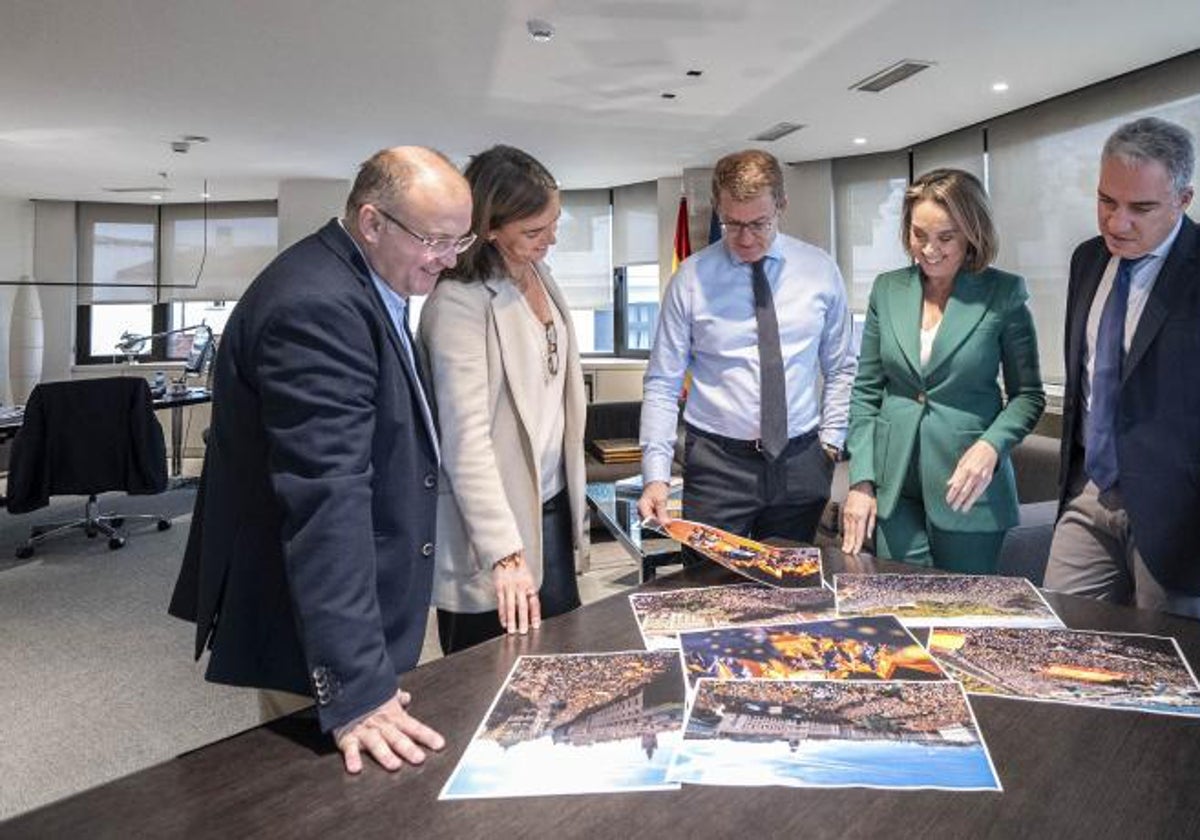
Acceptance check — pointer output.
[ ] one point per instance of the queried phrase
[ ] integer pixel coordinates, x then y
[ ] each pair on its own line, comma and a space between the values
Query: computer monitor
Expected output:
202, 347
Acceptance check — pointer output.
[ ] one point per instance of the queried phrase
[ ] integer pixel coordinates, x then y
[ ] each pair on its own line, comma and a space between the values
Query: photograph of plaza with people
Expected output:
576, 723
772, 565
1113, 670
869, 648
833, 734
661, 616
934, 600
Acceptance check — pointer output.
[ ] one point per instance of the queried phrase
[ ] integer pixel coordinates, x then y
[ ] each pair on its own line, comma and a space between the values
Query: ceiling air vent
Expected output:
150, 189
889, 76
776, 131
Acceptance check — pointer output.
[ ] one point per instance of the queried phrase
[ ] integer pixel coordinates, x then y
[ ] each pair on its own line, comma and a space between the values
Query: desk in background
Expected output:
10, 423
176, 403
1067, 771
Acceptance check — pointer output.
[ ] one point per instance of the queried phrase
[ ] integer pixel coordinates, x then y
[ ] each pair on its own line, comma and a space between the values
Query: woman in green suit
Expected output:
930, 431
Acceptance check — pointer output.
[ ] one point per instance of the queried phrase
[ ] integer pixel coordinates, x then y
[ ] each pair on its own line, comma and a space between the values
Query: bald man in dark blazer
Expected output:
309, 564
1129, 500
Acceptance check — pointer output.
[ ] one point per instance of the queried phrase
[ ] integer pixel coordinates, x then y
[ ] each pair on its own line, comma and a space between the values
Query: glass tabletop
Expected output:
616, 505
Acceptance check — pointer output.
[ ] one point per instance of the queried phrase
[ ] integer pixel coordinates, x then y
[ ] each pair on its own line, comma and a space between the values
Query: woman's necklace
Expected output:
531, 288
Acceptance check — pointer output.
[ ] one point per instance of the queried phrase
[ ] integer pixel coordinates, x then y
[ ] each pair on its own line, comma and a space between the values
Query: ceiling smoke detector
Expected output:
540, 30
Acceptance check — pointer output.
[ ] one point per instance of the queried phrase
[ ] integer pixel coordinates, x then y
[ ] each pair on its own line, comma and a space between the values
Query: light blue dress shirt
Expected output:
396, 305
1141, 283
707, 326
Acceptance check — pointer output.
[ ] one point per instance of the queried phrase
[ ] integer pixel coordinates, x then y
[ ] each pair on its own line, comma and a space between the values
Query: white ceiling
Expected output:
93, 91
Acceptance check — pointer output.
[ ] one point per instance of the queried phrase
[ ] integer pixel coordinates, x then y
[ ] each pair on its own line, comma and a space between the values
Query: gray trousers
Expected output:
1093, 554
730, 485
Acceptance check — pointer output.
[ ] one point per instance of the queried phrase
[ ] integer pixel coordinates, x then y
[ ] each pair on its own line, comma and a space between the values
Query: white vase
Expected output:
26, 343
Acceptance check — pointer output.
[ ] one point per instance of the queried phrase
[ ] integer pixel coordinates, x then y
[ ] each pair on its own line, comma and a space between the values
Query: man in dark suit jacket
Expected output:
309, 564
1130, 481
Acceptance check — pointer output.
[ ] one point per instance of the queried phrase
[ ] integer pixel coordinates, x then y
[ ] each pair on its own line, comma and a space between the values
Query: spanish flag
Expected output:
683, 242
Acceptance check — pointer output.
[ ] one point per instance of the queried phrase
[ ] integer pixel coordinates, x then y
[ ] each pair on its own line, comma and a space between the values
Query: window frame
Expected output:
159, 317
160, 310
621, 348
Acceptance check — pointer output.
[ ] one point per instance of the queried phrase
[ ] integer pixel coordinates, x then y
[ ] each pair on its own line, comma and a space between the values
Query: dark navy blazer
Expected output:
1158, 410
309, 563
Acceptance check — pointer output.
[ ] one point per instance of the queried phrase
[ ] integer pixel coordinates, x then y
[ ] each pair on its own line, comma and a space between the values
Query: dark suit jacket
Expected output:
86, 436
1158, 410
309, 563
945, 406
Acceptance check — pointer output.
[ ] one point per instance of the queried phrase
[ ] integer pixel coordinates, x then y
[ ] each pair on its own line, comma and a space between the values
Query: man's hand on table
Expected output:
389, 734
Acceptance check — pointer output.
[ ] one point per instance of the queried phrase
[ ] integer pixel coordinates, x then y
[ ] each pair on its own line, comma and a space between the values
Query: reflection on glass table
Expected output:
616, 508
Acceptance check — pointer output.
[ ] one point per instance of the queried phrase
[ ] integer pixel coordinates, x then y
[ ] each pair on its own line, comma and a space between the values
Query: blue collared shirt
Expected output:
707, 326
397, 305
1141, 283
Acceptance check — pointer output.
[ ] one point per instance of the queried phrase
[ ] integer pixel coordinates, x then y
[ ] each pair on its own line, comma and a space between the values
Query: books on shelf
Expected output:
617, 450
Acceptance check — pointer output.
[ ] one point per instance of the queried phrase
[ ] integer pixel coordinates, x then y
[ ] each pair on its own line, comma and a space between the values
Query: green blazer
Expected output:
952, 401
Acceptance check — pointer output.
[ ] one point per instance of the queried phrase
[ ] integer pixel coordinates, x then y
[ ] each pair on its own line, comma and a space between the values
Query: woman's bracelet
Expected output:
510, 562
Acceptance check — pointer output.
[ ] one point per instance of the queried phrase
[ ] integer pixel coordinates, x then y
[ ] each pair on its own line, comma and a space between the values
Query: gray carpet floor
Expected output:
97, 680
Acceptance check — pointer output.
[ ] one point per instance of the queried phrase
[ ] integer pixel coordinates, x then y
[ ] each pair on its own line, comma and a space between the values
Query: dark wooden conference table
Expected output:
1066, 771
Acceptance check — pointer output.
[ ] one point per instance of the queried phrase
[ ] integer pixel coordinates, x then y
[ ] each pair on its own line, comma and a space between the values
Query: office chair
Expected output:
86, 437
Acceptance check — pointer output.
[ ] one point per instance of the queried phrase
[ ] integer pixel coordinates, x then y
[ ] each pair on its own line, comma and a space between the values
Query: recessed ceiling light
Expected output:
205, 195
156, 197
860, 141
540, 30
1000, 87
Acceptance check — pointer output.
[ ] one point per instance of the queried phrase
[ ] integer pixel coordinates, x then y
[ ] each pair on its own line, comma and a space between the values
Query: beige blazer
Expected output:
485, 368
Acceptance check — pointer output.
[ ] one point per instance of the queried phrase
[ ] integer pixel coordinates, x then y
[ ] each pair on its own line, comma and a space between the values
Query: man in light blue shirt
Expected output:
709, 327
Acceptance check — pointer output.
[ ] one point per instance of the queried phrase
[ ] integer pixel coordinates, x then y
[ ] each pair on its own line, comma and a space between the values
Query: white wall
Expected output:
809, 216
54, 237
306, 204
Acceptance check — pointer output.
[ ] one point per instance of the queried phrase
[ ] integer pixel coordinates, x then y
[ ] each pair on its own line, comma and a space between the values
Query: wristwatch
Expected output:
832, 451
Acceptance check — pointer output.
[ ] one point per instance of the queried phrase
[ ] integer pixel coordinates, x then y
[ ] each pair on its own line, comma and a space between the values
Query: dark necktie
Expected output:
1100, 456
772, 385
416, 363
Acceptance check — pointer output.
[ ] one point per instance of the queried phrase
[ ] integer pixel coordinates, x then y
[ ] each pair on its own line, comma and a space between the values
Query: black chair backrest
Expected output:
86, 436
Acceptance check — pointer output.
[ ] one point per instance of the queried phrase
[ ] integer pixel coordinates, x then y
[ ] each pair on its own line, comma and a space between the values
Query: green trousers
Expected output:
908, 535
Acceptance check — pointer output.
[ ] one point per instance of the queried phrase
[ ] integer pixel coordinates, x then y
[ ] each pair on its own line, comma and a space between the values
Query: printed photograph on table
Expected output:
1079, 667
874, 648
945, 600
661, 616
834, 735
893, 735
576, 723
787, 568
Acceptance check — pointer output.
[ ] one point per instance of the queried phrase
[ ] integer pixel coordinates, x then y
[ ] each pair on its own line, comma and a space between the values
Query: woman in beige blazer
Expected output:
510, 400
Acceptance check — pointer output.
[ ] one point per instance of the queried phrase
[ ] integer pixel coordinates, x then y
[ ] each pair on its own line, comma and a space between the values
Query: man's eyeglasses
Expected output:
757, 228
551, 349
442, 246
